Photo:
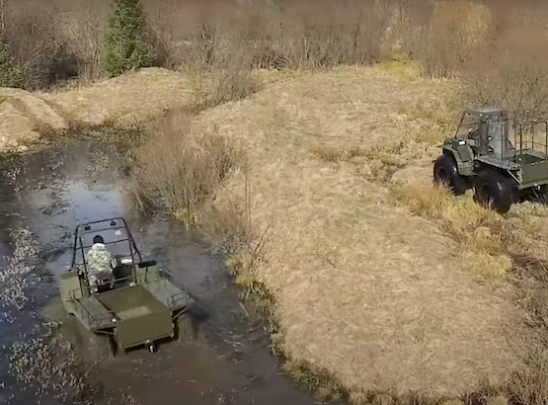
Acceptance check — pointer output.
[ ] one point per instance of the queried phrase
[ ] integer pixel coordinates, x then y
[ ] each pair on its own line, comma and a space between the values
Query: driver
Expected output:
473, 132
99, 261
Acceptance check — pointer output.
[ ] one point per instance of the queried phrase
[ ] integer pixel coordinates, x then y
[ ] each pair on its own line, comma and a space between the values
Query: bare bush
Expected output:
181, 170
161, 38
519, 88
231, 82
58, 44
84, 31
455, 33
52, 46
512, 73
41, 55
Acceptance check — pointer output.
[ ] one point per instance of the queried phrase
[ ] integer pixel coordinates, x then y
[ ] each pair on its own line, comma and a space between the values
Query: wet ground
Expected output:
227, 363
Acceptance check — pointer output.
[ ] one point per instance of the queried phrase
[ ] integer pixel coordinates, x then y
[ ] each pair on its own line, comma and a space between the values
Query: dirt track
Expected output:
227, 363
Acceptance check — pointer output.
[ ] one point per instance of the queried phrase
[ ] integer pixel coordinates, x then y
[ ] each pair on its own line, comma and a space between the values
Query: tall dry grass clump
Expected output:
181, 169
51, 45
478, 231
349, 281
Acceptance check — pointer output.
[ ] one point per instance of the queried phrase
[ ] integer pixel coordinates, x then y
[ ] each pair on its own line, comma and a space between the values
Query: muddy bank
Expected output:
226, 362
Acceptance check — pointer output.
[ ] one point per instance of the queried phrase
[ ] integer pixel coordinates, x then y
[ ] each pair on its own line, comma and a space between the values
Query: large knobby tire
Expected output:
446, 174
495, 190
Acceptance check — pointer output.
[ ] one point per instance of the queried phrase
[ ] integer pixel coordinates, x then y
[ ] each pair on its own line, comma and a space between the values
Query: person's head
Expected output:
98, 239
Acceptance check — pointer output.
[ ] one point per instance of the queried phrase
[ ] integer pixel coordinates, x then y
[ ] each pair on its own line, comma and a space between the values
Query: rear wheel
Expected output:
494, 190
446, 174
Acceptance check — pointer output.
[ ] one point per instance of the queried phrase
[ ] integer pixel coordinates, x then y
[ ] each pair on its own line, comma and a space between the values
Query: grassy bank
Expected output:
297, 201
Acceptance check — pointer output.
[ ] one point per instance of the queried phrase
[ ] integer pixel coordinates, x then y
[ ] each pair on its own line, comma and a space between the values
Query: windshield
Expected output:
499, 143
116, 242
470, 123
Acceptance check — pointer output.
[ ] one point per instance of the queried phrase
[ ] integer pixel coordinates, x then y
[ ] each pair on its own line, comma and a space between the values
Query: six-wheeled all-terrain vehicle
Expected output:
138, 304
502, 158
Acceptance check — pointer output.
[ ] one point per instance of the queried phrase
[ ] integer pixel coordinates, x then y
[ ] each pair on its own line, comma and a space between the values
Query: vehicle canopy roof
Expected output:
116, 235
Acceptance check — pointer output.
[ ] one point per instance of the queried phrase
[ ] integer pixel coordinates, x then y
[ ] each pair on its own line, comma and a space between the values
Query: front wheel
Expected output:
446, 174
495, 190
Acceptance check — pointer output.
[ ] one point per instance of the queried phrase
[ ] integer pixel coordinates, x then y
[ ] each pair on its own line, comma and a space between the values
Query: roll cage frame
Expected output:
115, 223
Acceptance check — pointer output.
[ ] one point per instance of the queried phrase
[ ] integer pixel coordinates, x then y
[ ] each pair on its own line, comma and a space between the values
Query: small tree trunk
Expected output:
3, 4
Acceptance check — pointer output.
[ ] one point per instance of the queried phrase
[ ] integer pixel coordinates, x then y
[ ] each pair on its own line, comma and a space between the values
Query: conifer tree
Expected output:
126, 47
10, 75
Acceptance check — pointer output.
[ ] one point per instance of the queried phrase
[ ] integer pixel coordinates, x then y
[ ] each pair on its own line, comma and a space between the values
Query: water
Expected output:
228, 362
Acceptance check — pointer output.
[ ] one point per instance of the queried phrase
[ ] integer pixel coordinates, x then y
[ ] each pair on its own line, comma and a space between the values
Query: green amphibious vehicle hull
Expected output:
140, 304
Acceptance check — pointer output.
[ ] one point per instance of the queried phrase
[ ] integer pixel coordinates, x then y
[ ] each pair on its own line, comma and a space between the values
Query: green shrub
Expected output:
126, 46
10, 75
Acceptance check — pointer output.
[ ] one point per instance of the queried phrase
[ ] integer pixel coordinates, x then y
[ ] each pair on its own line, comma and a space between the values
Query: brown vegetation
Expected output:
314, 179
336, 257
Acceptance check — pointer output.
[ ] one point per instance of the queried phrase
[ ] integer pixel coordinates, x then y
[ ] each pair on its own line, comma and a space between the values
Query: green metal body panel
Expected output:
147, 274
503, 164
162, 288
69, 289
93, 314
144, 329
463, 156
139, 316
533, 174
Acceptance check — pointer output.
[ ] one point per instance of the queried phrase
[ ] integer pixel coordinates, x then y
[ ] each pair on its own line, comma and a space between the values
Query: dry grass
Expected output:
138, 96
378, 308
127, 101
183, 171
431, 311
481, 250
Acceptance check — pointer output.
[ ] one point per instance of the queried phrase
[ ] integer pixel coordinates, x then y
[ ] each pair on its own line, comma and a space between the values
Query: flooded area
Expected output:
45, 196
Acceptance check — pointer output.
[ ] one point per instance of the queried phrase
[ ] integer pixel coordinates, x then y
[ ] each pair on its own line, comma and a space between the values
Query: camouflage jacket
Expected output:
98, 259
